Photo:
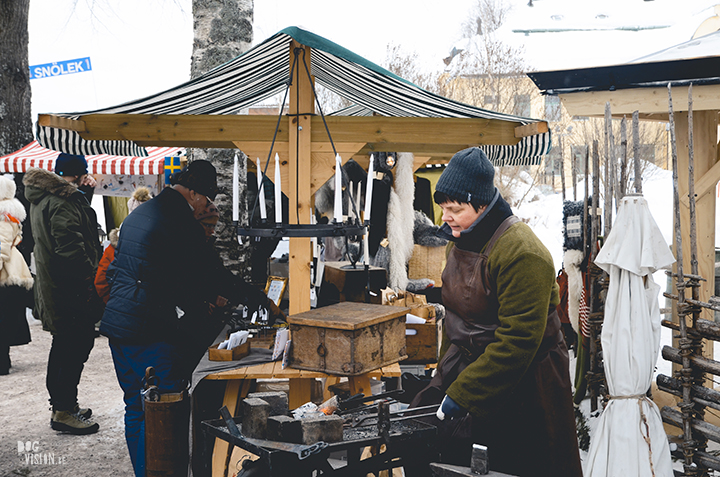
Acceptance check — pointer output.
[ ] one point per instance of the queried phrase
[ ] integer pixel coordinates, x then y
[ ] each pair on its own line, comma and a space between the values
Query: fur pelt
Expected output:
572, 261
49, 182
400, 222
425, 231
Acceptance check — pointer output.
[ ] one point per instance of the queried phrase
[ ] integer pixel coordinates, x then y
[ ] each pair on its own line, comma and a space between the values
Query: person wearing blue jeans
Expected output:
131, 362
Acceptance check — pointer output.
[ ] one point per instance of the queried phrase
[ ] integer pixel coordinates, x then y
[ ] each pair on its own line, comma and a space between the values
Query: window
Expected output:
553, 110
522, 105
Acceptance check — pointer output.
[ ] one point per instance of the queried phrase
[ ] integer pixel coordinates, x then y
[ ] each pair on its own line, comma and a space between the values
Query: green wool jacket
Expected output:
523, 275
67, 251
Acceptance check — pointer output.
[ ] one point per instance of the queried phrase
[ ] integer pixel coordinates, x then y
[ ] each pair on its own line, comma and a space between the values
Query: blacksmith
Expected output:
503, 377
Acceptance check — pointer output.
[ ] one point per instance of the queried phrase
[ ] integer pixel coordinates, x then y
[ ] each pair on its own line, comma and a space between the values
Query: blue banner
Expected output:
60, 68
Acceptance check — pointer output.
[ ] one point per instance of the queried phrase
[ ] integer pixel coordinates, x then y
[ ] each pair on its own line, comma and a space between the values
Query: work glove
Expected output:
450, 409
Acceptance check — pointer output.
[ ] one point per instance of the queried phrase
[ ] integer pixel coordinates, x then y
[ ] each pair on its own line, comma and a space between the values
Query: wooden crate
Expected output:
422, 347
343, 283
348, 338
238, 352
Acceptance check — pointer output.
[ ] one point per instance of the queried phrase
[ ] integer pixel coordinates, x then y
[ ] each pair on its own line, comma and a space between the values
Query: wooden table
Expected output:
240, 379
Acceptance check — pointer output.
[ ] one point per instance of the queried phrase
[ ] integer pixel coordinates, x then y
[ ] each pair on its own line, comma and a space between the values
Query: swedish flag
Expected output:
172, 165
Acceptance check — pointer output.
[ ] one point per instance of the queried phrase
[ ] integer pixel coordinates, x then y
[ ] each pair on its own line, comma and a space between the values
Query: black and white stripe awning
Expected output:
263, 71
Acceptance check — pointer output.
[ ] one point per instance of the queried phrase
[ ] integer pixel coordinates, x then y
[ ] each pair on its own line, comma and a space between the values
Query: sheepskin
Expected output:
572, 259
400, 221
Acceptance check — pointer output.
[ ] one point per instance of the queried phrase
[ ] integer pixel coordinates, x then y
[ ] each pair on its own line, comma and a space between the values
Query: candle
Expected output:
278, 191
358, 197
350, 198
261, 191
337, 212
369, 189
366, 247
235, 191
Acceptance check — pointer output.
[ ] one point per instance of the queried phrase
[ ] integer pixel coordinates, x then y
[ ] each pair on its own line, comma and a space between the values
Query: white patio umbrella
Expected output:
629, 438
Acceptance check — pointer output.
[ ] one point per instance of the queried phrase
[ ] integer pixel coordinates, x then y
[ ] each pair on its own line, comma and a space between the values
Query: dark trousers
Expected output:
68, 354
131, 361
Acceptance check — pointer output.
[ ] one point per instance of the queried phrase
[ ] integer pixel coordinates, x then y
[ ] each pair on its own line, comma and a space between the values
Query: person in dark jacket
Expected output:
67, 250
15, 279
166, 285
503, 378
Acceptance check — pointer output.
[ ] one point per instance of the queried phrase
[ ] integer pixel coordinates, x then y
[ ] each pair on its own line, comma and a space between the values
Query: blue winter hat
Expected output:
468, 178
70, 165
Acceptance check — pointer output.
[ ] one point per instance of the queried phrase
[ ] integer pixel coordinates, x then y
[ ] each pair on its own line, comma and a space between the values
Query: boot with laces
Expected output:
85, 412
67, 421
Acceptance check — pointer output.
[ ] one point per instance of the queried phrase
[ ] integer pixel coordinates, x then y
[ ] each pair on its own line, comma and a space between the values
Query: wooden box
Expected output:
348, 338
342, 283
422, 347
238, 352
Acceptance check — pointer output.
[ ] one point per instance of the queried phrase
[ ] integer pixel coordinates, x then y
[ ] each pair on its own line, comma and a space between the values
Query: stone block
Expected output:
278, 401
322, 428
255, 414
284, 429
479, 460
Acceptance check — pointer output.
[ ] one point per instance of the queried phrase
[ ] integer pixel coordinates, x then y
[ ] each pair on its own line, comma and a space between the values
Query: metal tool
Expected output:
353, 402
302, 451
356, 421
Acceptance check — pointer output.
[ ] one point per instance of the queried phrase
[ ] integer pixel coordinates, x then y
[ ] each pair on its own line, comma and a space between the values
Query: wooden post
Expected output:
562, 165
609, 169
592, 379
623, 158
301, 109
636, 151
573, 169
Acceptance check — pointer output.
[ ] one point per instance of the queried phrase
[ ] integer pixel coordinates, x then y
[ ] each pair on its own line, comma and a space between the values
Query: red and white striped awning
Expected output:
34, 155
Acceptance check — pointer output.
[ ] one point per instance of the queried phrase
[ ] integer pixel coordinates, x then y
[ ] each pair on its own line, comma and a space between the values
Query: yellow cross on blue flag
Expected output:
172, 165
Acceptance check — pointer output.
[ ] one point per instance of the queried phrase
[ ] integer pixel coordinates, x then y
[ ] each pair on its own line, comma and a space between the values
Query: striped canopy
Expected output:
34, 155
263, 72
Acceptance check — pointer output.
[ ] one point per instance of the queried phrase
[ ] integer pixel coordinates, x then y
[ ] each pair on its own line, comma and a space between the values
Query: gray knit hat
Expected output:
468, 177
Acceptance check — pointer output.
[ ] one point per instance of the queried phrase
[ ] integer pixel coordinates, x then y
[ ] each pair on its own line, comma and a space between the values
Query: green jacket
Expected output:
67, 251
522, 271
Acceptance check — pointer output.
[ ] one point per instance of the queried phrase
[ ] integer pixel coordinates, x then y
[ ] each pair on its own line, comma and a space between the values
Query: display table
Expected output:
300, 385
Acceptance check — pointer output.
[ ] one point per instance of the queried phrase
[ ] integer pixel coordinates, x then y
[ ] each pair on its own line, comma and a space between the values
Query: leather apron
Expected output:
533, 433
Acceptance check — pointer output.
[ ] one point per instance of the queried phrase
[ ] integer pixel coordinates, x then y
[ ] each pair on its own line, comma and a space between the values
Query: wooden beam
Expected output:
61, 123
531, 129
705, 185
300, 139
222, 130
647, 100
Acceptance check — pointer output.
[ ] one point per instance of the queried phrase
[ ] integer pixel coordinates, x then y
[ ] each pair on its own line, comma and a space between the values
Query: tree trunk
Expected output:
15, 115
222, 31
15, 107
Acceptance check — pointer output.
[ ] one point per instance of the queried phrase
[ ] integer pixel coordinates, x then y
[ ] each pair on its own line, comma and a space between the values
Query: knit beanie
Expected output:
140, 195
70, 165
468, 178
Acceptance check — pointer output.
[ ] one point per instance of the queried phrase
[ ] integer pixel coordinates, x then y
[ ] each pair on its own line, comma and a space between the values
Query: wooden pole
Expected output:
562, 166
301, 111
636, 151
573, 169
586, 239
609, 172
685, 344
623, 158
593, 371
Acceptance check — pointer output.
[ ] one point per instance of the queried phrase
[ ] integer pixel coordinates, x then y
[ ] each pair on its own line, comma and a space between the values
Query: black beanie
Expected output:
70, 165
468, 177
199, 176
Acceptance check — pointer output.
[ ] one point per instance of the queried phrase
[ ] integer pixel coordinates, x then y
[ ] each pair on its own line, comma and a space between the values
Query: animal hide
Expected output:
572, 260
400, 222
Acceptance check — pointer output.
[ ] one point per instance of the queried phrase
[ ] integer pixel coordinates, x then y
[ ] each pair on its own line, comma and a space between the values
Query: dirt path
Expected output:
25, 417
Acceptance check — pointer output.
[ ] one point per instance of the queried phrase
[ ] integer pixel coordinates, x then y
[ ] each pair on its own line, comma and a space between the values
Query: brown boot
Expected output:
67, 421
